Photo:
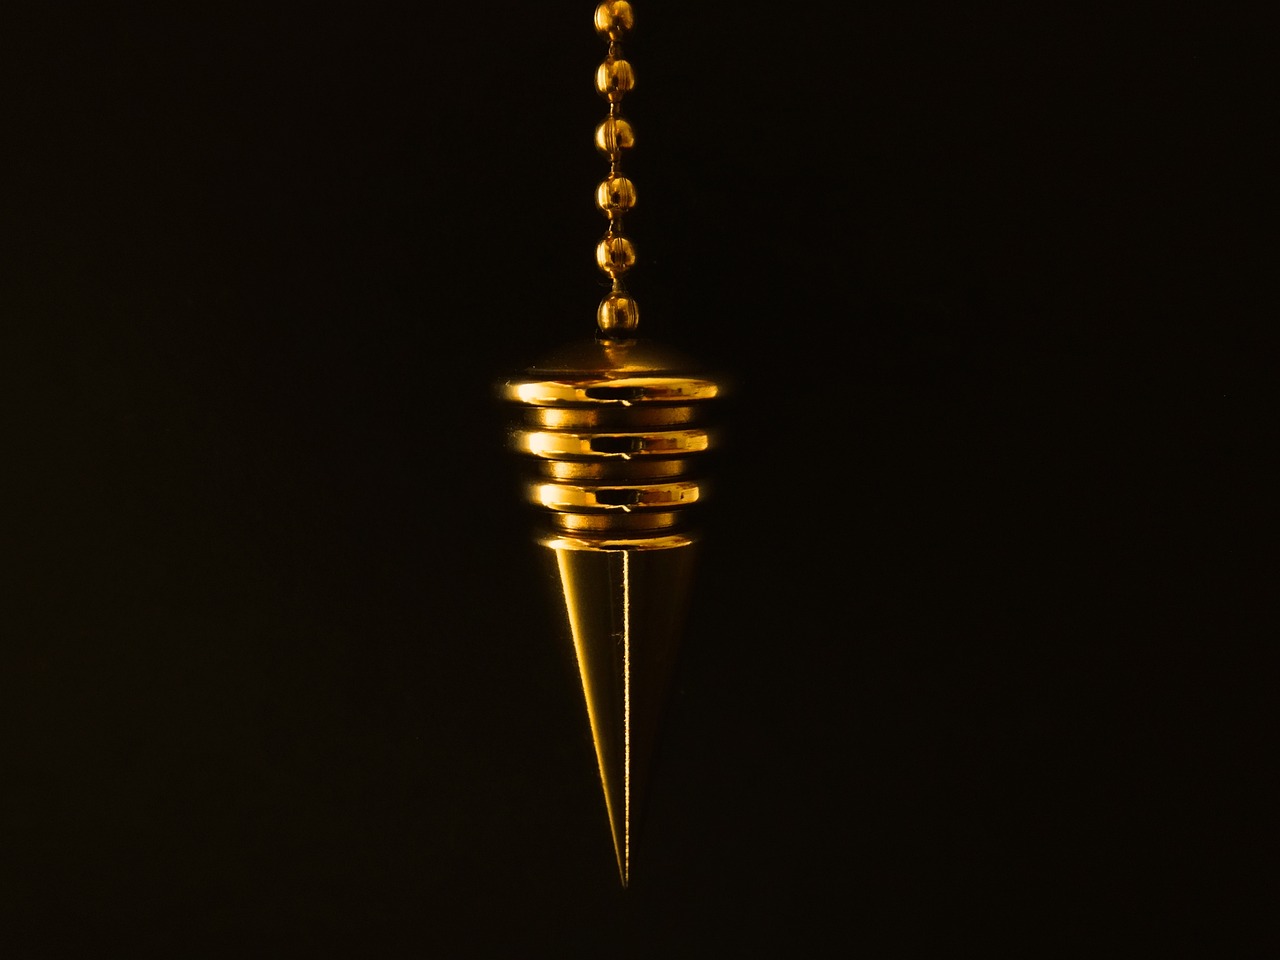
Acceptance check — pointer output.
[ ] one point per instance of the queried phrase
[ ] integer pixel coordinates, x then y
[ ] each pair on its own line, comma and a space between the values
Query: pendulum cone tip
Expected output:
624, 609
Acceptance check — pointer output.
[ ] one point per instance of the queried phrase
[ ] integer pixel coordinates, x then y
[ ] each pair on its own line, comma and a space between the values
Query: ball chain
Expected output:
618, 314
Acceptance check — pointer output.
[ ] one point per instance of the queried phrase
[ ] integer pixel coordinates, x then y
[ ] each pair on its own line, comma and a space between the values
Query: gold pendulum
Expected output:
611, 430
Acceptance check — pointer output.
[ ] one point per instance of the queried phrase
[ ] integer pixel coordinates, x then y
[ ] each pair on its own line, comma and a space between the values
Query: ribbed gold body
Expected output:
613, 431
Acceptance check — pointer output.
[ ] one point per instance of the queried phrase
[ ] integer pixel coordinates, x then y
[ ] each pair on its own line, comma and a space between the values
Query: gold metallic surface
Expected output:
571, 497
618, 314
615, 255
615, 79
614, 137
610, 417
616, 195
546, 443
606, 471
616, 524
623, 604
621, 390
557, 542
614, 20
610, 433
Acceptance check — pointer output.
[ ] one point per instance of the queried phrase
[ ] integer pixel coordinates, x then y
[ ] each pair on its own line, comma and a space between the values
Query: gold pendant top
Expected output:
613, 431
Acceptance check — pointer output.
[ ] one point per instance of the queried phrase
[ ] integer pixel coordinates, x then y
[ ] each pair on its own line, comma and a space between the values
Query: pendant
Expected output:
613, 434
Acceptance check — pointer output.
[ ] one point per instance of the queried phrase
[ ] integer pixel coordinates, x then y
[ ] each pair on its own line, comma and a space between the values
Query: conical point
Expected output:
624, 603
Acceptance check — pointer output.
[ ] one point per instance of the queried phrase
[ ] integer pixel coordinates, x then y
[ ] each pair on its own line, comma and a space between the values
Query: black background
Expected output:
966, 656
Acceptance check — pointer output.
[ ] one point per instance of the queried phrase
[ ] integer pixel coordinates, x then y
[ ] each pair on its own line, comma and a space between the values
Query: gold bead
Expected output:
618, 313
615, 255
615, 78
614, 136
615, 19
616, 195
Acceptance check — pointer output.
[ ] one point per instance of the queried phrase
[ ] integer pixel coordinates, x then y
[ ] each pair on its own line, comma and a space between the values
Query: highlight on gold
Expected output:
612, 433
615, 255
615, 79
618, 313
617, 316
616, 196
614, 137
614, 20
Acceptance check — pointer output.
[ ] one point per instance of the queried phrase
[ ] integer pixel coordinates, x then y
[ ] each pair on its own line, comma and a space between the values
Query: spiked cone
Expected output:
623, 604
612, 431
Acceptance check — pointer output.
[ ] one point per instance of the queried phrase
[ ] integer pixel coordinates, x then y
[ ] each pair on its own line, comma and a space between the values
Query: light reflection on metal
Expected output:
621, 549
612, 434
